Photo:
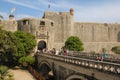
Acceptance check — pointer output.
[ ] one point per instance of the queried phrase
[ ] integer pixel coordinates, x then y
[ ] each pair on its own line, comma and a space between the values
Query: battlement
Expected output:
71, 12
95, 24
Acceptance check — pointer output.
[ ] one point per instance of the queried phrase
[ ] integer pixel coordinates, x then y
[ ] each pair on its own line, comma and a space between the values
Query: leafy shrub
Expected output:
116, 49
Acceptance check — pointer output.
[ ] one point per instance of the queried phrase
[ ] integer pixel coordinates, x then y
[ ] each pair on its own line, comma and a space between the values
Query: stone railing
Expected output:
99, 65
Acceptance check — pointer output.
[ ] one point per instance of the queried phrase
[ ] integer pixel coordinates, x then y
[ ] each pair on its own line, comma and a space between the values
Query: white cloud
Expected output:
24, 3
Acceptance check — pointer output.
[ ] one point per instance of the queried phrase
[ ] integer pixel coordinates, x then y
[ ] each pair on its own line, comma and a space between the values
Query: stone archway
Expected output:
80, 76
41, 45
76, 77
45, 70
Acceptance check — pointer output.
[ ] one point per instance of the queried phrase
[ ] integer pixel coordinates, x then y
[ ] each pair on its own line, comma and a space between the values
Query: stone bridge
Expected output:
61, 67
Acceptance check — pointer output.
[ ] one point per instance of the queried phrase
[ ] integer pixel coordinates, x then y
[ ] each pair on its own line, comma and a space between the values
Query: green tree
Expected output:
116, 49
5, 74
27, 39
74, 43
10, 48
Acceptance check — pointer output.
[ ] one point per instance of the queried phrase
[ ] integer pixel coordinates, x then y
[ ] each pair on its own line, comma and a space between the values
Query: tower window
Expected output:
52, 24
42, 23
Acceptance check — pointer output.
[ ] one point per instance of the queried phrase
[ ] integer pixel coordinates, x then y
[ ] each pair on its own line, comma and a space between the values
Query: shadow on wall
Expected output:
118, 36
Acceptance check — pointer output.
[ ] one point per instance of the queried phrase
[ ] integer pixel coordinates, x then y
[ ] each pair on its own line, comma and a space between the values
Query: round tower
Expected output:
72, 11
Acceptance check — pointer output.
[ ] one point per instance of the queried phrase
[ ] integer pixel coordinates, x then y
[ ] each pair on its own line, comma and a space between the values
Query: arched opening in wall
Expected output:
46, 72
42, 23
118, 36
80, 76
41, 45
76, 77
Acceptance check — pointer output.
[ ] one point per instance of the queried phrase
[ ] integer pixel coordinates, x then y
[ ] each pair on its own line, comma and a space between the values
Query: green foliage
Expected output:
27, 39
74, 43
28, 59
5, 74
9, 47
116, 49
14, 46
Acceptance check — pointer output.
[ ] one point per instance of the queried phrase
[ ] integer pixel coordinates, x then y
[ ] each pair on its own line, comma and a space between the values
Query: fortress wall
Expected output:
97, 36
94, 32
9, 25
84, 31
98, 46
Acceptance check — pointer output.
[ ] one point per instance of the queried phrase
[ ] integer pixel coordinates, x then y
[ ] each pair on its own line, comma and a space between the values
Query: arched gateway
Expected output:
41, 45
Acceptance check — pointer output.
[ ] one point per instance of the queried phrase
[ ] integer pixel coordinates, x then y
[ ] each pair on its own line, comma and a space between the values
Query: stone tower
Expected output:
11, 24
63, 26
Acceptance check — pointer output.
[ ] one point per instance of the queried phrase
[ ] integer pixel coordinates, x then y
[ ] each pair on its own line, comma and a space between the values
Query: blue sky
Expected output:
85, 10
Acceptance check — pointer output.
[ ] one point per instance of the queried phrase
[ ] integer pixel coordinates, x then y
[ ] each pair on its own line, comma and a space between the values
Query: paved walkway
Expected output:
22, 74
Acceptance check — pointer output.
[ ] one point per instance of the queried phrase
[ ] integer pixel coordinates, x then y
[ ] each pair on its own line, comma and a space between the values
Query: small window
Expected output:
52, 24
25, 22
42, 23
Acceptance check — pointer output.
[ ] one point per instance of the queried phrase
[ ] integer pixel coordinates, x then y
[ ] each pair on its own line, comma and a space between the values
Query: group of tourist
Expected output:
101, 57
51, 51
54, 51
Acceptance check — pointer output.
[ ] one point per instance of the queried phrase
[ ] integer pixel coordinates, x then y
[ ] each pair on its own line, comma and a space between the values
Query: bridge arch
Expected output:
80, 76
41, 45
75, 77
45, 69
